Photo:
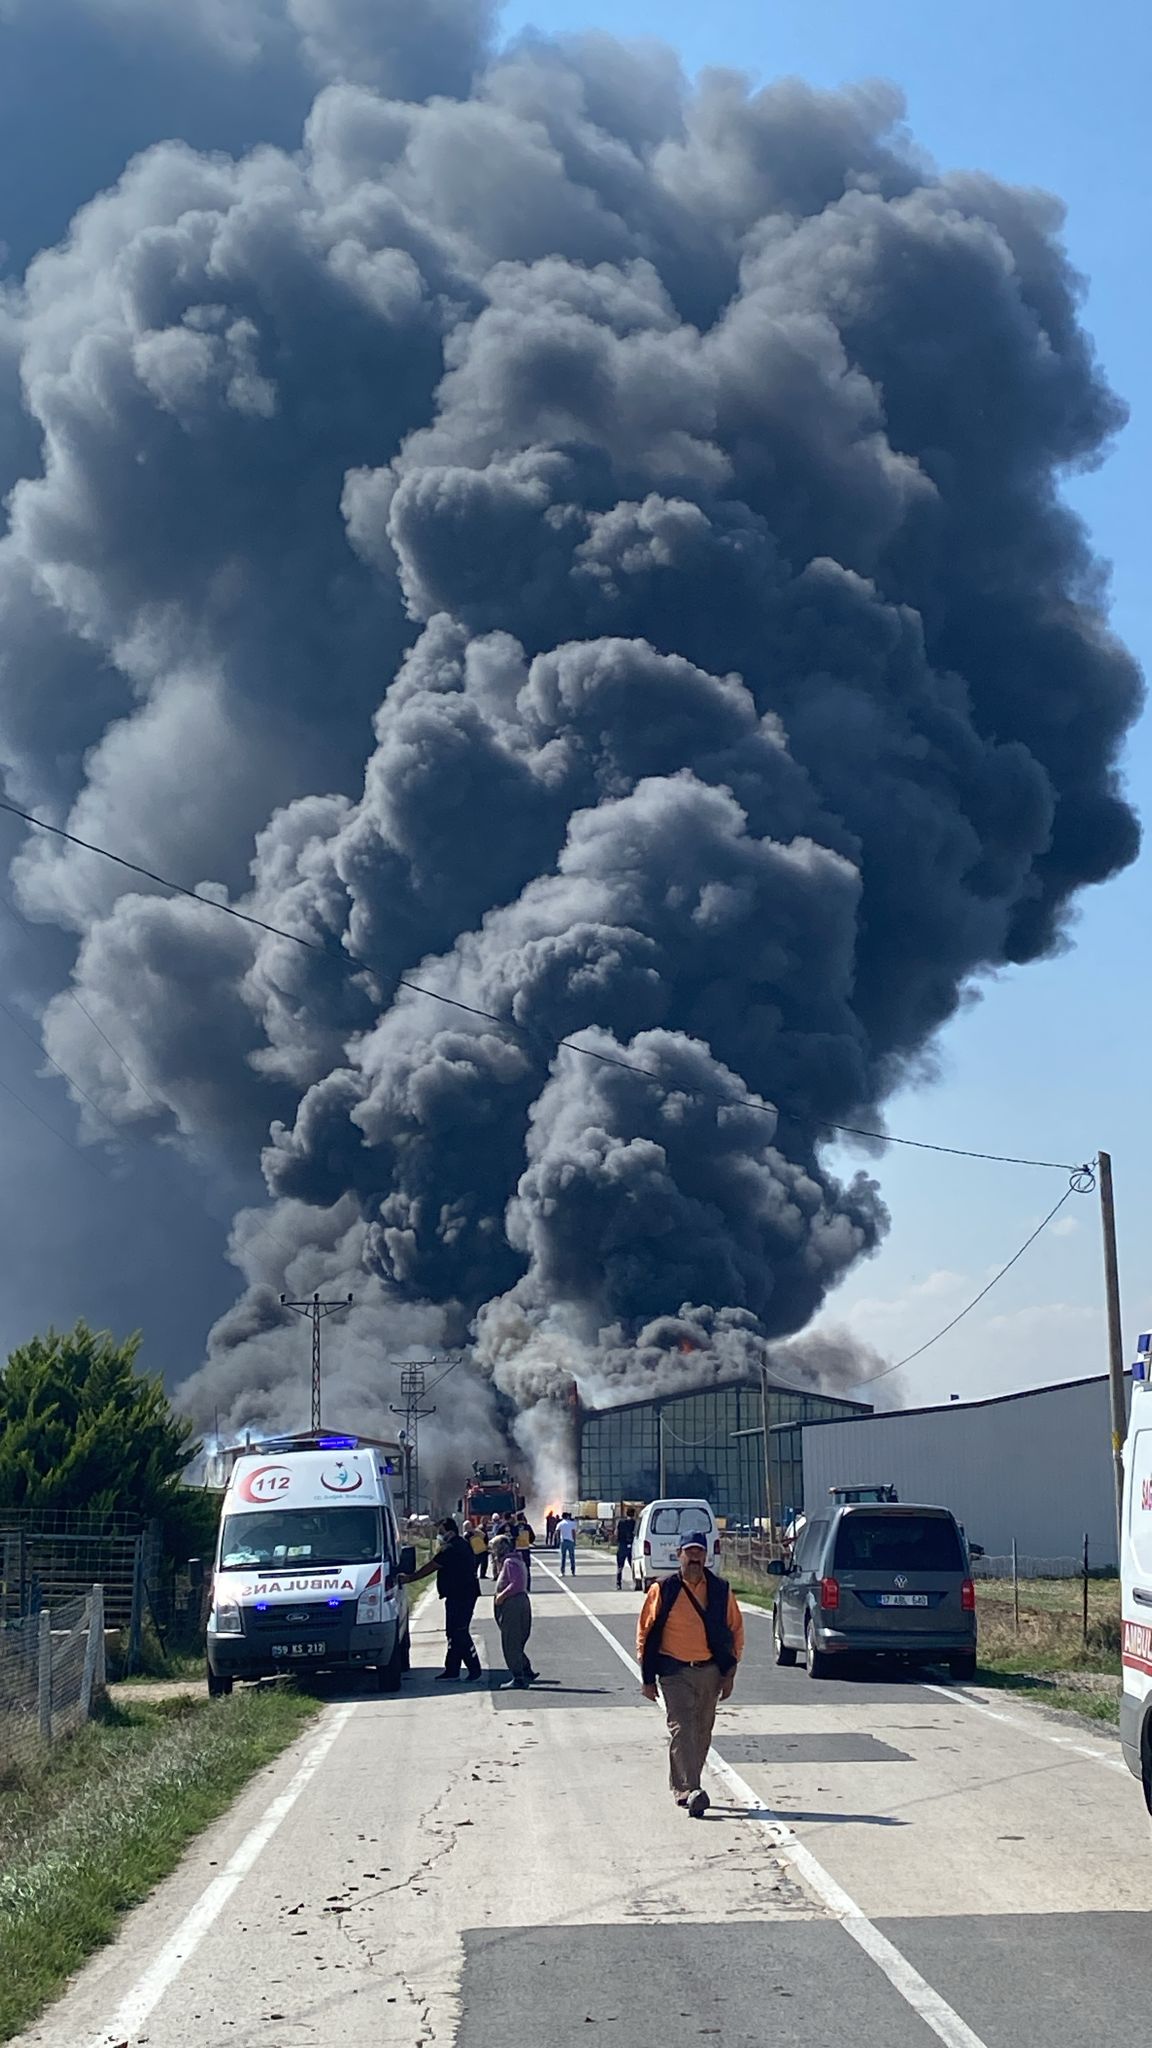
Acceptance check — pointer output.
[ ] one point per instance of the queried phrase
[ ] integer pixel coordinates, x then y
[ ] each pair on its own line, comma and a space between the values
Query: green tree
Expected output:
80, 1427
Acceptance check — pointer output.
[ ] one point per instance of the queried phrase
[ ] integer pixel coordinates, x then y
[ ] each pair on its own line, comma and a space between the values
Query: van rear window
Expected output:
898, 1543
668, 1521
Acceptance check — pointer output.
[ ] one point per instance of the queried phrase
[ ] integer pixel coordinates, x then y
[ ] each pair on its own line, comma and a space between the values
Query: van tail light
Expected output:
647, 1548
829, 1593
968, 1597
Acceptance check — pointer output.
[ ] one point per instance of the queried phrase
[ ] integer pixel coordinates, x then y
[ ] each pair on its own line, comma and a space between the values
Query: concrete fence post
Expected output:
94, 1619
136, 1622
44, 1673
99, 1668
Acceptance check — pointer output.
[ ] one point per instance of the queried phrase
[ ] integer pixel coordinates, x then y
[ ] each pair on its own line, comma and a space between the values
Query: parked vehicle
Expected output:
658, 1531
307, 1566
1136, 1580
878, 1580
852, 1496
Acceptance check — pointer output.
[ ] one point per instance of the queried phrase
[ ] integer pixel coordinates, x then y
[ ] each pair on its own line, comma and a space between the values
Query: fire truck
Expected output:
491, 1491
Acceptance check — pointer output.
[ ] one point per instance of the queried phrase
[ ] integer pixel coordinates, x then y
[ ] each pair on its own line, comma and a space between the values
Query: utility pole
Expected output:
769, 1504
663, 1454
413, 1387
1115, 1333
314, 1312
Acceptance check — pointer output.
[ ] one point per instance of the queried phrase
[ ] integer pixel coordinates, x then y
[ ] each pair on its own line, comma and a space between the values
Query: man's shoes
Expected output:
475, 1674
446, 1678
514, 1685
698, 1805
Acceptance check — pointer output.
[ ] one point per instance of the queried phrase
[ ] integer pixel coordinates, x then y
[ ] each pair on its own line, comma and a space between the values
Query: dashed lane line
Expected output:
1030, 1727
904, 1978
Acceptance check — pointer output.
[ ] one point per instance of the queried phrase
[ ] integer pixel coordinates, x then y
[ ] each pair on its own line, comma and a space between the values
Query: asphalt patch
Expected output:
576, 1669
809, 1749
802, 1984
1073, 1980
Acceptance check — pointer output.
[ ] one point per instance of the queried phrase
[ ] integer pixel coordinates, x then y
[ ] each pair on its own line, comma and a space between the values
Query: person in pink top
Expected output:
513, 1609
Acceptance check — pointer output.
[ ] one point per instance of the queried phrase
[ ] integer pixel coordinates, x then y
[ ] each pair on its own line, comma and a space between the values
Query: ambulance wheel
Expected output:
389, 1675
406, 1652
219, 1687
963, 1668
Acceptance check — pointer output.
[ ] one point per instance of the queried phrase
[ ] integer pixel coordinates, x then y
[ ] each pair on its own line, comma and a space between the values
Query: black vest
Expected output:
715, 1625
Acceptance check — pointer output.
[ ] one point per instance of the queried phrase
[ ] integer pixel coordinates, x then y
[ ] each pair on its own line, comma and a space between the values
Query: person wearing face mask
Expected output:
689, 1641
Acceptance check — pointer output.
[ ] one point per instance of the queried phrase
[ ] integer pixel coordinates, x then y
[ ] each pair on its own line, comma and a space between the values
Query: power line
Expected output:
79, 1150
1076, 1186
341, 959
122, 1134
15, 1018
7, 905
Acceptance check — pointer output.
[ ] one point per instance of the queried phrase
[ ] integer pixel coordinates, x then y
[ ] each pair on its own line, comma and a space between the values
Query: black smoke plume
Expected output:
671, 471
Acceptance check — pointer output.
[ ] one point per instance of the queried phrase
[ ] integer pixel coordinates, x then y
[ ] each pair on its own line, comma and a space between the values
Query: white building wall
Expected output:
1036, 1467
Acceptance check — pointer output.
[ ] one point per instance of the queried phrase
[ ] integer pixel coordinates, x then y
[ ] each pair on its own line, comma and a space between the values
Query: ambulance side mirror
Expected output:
408, 1560
195, 1573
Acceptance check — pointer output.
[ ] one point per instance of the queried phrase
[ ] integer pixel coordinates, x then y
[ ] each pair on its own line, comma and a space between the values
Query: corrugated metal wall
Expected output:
1037, 1467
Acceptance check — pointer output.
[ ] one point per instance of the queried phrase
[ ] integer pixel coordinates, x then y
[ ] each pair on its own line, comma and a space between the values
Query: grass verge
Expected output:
90, 1828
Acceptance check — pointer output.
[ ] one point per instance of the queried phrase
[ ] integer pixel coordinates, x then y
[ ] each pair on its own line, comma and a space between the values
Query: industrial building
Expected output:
706, 1445
1034, 1468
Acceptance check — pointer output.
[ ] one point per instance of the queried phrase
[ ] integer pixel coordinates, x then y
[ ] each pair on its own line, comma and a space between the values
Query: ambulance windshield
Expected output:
290, 1539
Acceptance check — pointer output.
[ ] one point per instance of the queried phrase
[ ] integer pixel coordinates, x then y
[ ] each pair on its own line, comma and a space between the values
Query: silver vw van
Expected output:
872, 1580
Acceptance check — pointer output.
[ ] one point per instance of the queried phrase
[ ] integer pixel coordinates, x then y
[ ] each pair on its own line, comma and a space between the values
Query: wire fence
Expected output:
1025, 1566
751, 1555
51, 1674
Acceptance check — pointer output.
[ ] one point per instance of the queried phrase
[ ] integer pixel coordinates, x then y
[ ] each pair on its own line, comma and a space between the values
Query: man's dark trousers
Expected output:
623, 1554
458, 1612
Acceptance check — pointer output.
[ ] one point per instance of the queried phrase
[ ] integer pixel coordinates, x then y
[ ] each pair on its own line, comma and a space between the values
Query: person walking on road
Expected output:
523, 1537
477, 1537
625, 1534
458, 1584
513, 1609
566, 1537
690, 1639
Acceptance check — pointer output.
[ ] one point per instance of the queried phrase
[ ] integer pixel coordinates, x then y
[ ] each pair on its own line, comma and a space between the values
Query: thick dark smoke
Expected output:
672, 472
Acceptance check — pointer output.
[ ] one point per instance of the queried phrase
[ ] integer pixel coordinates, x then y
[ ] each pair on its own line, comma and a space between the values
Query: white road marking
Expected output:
166, 1966
1026, 1727
1032, 1728
904, 1978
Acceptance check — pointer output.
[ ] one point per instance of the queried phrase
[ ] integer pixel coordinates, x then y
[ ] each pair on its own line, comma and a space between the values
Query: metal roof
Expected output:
1091, 1379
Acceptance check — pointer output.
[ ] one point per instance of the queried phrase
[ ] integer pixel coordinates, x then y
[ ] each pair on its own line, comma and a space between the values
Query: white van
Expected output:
658, 1531
307, 1566
1136, 1580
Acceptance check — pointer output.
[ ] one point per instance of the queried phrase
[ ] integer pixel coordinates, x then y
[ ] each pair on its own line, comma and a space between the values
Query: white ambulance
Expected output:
307, 1565
1136, 1576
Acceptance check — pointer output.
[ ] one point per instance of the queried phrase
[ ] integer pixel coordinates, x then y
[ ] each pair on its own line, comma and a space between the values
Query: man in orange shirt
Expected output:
690, 1636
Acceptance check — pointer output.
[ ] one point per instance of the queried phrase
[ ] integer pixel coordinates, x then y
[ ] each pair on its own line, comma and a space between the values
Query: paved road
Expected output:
886, 1863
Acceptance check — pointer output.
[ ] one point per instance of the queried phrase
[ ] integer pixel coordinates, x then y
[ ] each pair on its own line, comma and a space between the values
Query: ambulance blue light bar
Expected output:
337, 1443
1143, 1351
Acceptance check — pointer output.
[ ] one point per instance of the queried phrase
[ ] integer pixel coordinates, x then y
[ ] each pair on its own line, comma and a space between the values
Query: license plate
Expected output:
903, 1599
298, 1649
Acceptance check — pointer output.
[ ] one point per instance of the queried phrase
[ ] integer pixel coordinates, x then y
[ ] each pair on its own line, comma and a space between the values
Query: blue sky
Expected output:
1053, 1060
